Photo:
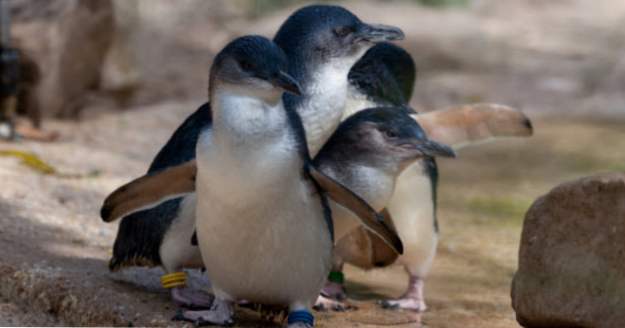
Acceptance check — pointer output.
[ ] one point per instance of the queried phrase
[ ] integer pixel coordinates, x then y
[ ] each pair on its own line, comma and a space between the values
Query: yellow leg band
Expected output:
173, 280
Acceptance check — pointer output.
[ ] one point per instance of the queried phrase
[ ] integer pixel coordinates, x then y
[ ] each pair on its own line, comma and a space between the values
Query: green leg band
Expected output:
336, 277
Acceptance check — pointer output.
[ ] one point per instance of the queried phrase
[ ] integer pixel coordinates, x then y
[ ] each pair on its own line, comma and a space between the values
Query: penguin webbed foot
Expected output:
324, 303
407, 303
334, 290
412, 299
192, 299
220, 313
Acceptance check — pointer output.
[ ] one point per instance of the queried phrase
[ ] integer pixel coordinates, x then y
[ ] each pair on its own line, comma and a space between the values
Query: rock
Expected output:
69, 40
572, 256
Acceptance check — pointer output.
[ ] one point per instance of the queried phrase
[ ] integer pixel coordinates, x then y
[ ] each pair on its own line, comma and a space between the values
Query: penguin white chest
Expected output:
412, 209
321, 113
266, 239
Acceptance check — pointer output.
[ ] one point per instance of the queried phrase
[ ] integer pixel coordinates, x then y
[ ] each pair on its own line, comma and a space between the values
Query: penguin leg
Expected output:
220, 313
177, 251
335, 285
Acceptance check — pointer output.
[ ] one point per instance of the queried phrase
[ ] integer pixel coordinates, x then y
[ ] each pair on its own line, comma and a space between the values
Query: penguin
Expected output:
322, 43
386, 76
262, 217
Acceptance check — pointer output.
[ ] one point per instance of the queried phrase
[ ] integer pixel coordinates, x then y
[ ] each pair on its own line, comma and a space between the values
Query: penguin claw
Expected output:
388, 305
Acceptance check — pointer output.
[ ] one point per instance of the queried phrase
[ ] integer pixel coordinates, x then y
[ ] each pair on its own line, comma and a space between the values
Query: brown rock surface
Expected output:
571, 259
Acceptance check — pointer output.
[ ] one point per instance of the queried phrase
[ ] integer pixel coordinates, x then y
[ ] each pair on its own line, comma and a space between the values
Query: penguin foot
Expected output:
220, 313
327, 304
334, 291
404, 303
411, 300
191, 298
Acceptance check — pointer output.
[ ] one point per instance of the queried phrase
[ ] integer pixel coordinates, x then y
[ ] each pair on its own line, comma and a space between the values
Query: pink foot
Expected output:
220, 313
334, 291
325, 304
411, 300
191, 298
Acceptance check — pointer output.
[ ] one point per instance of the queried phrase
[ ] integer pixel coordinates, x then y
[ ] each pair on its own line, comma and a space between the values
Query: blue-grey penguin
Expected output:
321, 43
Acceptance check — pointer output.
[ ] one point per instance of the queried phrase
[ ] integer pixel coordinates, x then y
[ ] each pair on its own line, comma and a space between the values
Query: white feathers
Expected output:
260, 226
322, 111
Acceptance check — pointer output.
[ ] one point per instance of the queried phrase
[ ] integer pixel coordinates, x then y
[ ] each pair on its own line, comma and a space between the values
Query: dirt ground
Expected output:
553, 60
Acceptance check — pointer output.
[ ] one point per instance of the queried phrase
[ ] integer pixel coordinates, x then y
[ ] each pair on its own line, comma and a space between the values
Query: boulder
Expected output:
572, 256
68, 39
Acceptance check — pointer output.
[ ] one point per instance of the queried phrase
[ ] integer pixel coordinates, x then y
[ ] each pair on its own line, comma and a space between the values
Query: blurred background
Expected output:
109, 80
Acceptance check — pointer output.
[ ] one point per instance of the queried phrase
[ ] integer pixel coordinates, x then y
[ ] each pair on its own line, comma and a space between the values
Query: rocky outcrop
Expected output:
572, 256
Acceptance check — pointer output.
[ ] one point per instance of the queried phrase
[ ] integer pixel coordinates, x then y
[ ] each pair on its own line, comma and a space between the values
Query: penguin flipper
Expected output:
149, 191
371, 220
464, 125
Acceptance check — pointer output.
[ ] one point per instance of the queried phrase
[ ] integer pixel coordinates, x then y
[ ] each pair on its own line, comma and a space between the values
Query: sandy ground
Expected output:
561, 57
56, 248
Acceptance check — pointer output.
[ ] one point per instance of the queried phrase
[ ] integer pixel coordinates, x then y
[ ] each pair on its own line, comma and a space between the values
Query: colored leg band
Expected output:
173, 280
337, 277
302, 316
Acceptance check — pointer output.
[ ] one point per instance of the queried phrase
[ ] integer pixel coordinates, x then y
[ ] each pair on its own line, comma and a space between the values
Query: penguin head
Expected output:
385, 74
331, 34
253, 66
386, 138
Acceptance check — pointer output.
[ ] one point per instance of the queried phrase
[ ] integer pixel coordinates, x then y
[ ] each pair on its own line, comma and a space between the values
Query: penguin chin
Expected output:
255, 88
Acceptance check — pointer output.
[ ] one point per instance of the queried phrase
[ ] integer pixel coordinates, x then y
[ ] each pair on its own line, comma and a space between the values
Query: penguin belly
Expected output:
264, 252
412, 209
261, 229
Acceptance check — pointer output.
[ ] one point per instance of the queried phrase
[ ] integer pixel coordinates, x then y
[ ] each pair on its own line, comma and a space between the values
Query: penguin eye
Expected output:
245, 65
343, 31
390, 134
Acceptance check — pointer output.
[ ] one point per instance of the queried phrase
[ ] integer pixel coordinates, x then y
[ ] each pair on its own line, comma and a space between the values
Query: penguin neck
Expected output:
242, 119
357, 101
373, 184
249, 150
321, 107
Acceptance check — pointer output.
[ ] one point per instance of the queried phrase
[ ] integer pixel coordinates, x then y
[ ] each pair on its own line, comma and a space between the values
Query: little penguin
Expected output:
386, 76
262, 227
321, 43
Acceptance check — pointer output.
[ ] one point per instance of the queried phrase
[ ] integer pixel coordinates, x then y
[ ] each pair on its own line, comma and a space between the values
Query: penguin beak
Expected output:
430, 148
378, 33
287, 83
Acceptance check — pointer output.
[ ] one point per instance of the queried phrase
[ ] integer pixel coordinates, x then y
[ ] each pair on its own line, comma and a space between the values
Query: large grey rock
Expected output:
69, 40
572, 256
